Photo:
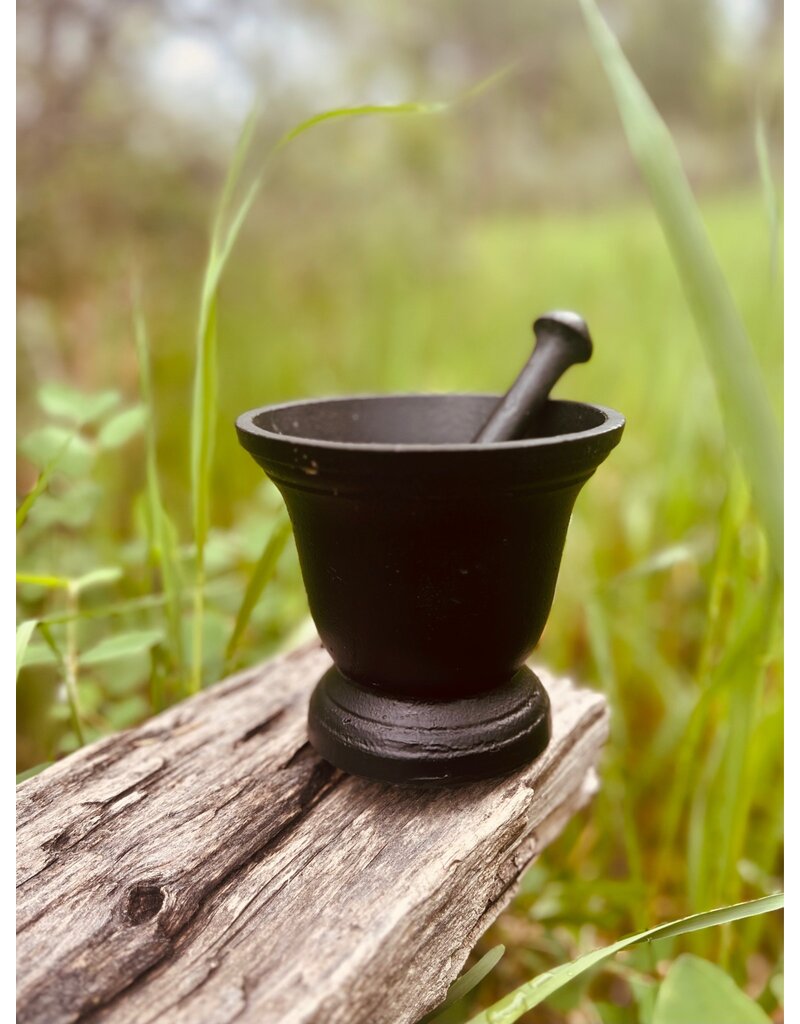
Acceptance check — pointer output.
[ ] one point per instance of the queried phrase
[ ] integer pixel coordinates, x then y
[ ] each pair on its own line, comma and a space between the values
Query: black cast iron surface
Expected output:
429, 563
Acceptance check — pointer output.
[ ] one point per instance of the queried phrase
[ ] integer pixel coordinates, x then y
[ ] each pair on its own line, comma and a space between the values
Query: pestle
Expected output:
562, 338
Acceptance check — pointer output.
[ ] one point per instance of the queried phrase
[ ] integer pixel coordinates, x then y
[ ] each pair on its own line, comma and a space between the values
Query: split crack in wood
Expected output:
209, 867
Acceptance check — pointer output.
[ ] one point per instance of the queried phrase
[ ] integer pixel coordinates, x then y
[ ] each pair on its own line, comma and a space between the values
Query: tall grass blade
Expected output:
466, 983
619, 791
57, 655
261, 575
221, 588
532, 993
742, 393
204, 414
769, 192
163, 540
366, 109
204, 404
71, 664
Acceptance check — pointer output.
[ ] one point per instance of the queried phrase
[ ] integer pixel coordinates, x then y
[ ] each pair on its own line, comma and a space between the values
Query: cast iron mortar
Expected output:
430, 566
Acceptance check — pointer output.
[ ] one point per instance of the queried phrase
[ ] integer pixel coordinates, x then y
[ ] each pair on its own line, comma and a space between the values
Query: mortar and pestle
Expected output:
430, 529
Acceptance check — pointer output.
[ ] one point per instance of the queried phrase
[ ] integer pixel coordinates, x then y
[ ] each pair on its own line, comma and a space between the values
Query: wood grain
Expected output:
207, 867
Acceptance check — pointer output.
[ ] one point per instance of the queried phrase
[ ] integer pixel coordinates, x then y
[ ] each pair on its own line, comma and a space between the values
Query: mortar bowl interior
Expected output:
429, 562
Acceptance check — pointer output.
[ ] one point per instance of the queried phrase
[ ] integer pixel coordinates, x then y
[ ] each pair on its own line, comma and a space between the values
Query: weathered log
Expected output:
208, 867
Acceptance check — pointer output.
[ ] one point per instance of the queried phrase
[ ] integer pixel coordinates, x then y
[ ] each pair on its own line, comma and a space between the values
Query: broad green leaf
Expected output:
77, 407
121, 428
70, 452
262, 573
25, 631
698, 992
467, 982
30, 772
534, 992
97, 578
123, 645
748, 416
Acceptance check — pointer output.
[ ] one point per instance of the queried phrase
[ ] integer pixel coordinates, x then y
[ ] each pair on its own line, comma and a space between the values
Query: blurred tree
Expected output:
113, 159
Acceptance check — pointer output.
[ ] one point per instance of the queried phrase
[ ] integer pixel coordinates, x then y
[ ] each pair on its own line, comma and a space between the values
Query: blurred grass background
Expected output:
412, 254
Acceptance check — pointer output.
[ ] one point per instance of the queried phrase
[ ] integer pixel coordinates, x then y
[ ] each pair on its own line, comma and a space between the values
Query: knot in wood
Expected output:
145, 899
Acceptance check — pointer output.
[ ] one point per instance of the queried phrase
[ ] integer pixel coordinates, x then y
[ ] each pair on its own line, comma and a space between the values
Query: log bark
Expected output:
207, 867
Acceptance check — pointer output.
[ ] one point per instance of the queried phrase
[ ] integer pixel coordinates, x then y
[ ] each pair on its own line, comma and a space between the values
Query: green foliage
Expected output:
769, 192
55, 445
161, 532
697, 992
665, 597
76, 407
532, 993
122, 645
463, 985
225, 231
742, 393
30, 772
24, 633
262, 573
122, 428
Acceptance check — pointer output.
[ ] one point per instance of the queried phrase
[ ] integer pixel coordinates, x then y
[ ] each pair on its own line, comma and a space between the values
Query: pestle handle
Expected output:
562, 338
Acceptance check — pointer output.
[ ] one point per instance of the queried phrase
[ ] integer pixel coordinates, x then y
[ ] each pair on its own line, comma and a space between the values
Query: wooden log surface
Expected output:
207, 867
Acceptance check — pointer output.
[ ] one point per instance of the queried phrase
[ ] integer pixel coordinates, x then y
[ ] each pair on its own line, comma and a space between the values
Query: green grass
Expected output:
658, 600
145, 532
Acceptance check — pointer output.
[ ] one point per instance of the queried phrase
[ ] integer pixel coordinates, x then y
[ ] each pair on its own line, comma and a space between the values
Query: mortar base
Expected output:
365, 732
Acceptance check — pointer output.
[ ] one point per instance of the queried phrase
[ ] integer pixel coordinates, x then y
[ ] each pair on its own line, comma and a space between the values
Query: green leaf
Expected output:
73, 509
467, 982
262, 573
35, 655
121, 428
30, 772
41, 483
70, 452
123, 645
534, 992
748, 416
97, 578
25, 631
698, 992
77, 407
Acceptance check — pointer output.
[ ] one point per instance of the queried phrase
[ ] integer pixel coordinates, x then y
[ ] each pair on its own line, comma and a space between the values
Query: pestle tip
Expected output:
571, 327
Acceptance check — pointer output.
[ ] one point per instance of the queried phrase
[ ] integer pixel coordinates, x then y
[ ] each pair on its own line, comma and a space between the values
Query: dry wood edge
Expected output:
208, 867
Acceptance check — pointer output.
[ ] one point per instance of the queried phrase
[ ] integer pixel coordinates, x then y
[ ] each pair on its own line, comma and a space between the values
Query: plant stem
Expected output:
71, 662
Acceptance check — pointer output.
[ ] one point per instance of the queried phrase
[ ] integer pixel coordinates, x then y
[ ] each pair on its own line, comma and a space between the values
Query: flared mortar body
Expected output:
430, 564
